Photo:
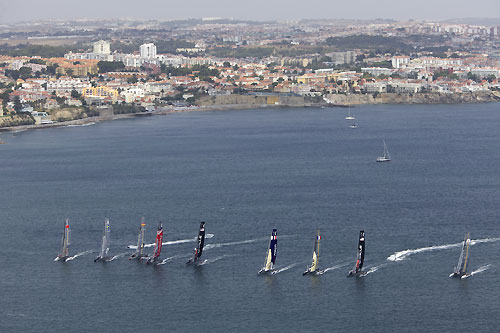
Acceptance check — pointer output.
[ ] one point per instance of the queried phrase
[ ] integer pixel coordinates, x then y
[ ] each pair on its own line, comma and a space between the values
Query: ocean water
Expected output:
245, 173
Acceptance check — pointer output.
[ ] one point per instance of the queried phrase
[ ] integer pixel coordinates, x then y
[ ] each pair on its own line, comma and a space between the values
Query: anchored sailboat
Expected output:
313, 269
360, 258
461, 269
139, 254
271, 254
103, 254
349, 117
386, 157
153, 258
199, 247
64, 254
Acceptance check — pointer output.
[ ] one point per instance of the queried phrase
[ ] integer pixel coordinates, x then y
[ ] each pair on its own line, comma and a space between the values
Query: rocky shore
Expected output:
21, 123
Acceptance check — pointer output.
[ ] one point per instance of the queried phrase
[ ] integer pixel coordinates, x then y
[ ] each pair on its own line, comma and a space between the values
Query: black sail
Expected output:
361, 251
201, 240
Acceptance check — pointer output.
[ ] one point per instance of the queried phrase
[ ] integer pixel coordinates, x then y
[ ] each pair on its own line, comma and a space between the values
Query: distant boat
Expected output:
271, 254
349, 117
199, 247
353, 125
139, 252
153, 258
360, 257
386, 157
64, 253
461, 269
103, 254
313, 269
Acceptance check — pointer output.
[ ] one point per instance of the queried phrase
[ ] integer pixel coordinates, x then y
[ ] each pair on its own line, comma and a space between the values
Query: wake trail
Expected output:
179, 241
178, 256
374, 269
402, 255
212, 260
79, 255
335, 267
477, 271
286, 268
248, 241
118, 256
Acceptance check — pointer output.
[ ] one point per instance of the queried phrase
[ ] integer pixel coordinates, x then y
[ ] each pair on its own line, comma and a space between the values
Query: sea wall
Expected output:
418, 98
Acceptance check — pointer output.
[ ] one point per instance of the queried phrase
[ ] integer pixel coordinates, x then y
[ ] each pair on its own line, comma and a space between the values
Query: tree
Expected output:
75, 94
226, 64
110, 66
17, 104
69, 72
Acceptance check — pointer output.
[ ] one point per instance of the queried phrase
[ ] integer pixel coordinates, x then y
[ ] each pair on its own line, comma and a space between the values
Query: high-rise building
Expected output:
102, 47
148, 50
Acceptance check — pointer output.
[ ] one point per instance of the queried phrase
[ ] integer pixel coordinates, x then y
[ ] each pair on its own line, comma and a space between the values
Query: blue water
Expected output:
245, 173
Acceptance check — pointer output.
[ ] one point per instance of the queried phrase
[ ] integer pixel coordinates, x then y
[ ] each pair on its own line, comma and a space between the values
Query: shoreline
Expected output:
172, 110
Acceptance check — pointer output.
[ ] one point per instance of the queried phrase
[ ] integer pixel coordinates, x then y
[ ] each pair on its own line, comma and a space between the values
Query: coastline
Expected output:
340, 101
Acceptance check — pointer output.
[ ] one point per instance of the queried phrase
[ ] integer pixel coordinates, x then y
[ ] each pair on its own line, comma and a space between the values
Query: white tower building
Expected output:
148, 51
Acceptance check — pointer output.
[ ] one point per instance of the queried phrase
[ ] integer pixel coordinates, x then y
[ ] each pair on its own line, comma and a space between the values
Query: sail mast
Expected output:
65, 240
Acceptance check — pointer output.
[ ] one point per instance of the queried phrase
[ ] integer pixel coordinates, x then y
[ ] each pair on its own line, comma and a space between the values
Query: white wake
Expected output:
335, 267
248, 241
118, 256
212, 260
79, 255
178, 256
477, 271
374, 269
179, 241
401, 255
277, 271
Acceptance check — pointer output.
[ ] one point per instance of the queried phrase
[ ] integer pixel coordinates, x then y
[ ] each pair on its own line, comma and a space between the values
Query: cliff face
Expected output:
16, 120
419, 98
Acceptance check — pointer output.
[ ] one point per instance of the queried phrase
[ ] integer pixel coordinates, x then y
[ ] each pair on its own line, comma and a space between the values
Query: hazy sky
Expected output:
12, 10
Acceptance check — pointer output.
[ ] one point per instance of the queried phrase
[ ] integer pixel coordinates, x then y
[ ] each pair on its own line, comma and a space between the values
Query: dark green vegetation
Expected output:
44, 51
110, 66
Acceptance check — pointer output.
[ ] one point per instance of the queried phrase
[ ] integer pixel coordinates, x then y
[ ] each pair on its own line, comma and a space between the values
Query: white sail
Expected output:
103, 253
269, 263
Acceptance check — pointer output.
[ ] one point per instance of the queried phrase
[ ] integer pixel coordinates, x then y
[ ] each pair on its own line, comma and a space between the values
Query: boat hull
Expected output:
316, 272
266, 272
356, 274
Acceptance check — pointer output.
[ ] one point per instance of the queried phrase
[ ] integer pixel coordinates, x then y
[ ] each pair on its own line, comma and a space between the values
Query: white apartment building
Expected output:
66, 86
400, 61
102, 47
148, 50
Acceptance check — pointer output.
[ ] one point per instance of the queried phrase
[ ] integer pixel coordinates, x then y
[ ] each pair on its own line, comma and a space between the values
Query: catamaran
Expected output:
349, 117
313, 269
271, 254
386, 157
461, 269
103, 254
153, 258
199, 248
360, 258
139, 254
64, 254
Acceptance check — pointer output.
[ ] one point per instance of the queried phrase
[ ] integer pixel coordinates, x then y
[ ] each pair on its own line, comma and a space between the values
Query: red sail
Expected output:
159, 242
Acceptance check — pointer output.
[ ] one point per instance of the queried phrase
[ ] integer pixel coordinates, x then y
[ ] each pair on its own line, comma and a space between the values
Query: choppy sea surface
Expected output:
245, 173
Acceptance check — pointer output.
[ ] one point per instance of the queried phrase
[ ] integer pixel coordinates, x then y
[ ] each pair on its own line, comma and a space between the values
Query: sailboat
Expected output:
386, 157
360, 258
353, 125
153, 258
271, 254
103, 254
199, 247
349, 117
461, 269
313, 269
64, 253
139, 254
